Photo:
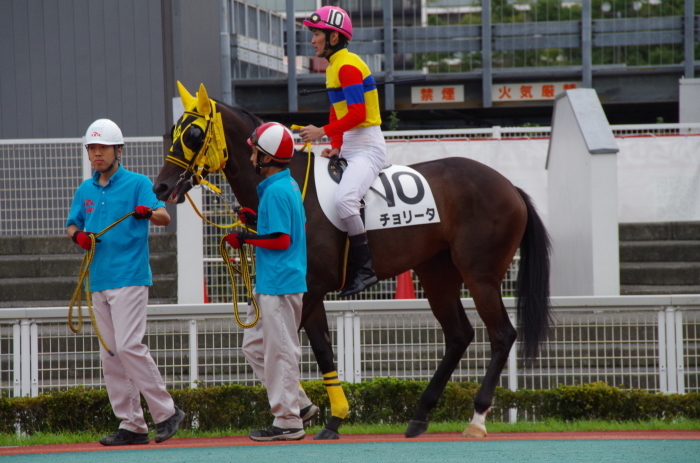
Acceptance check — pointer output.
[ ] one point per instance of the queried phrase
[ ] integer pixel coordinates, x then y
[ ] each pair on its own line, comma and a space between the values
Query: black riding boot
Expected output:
364, 275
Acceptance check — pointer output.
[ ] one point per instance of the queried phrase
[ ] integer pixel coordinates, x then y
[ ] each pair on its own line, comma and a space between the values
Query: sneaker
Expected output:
167, 429
308, 413
125, 437
275, 433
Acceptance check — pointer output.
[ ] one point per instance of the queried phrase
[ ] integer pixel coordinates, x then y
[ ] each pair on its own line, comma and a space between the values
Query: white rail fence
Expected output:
645, 342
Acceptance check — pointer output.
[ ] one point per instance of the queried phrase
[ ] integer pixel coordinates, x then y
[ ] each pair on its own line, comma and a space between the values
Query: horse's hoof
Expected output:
326, 434
475, 430
416, 428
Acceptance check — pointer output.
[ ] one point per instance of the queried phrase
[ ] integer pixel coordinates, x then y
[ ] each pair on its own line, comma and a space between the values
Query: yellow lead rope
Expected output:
84, 284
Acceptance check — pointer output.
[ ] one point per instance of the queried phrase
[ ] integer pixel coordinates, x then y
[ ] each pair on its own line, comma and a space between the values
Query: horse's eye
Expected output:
193, 137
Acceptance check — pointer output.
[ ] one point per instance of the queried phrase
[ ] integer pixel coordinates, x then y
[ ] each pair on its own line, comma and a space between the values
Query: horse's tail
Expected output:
533, 283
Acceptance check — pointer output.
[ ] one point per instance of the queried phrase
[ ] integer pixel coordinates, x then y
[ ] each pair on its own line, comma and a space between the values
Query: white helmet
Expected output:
104, 132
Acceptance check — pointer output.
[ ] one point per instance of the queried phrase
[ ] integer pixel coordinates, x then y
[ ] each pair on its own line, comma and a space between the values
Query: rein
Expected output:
84, 284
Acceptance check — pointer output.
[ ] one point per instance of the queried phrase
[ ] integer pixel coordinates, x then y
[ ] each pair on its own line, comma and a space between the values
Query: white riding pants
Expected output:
365, 150
121, 317
273, 351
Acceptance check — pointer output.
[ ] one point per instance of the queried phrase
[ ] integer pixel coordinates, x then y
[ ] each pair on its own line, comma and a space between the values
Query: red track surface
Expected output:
235, 441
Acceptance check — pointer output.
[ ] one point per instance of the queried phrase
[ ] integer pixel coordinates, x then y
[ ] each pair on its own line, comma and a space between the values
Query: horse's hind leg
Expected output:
316, 327
442, 282
487, 298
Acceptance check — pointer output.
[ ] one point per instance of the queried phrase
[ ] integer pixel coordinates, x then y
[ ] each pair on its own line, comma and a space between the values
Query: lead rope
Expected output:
84, 284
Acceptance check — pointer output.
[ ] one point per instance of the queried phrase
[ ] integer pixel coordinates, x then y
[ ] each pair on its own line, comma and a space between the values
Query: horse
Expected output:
485, 219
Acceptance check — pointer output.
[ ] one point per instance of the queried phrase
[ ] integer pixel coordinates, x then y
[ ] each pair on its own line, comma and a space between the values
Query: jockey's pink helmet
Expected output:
274, 139
331, 17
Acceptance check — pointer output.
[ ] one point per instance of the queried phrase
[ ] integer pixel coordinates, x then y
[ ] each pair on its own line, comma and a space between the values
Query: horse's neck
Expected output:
244, 185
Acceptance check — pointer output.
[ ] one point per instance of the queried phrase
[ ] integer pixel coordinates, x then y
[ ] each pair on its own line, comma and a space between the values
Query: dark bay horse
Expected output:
484, 220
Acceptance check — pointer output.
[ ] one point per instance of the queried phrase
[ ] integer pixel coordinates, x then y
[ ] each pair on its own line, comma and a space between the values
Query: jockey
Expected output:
354, 130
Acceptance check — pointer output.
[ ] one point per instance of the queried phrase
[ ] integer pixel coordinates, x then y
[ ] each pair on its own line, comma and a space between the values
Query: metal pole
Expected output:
688, 39
663, 376
226, 87
486, 54
586, 44
34, 336
389, 104
17, 359
26, 358
292, 100
680, 354
671, 367
349, 349
194, 355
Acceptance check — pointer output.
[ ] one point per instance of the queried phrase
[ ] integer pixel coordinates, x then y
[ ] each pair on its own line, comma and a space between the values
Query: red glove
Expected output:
247, 216
83, 240
234, 240
143, 212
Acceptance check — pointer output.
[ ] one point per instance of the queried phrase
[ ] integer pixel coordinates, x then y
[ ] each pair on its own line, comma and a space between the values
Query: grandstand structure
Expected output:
485, 62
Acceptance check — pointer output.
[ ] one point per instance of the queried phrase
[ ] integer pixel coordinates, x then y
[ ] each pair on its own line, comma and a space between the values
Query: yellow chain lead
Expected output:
247, 280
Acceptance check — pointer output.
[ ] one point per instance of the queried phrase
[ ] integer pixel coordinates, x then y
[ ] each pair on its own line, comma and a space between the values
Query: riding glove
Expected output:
83, 240
247, 216
143, 212
234, 240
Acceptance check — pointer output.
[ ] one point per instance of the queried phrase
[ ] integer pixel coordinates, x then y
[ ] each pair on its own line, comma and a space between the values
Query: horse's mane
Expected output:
242, 112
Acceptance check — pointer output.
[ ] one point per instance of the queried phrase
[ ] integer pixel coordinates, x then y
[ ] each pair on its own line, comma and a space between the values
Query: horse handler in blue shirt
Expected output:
120, 275
272, 345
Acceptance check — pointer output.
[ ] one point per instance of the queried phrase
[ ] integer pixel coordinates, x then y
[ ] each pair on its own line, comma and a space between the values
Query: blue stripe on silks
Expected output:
369, 83
354, 94
336, 96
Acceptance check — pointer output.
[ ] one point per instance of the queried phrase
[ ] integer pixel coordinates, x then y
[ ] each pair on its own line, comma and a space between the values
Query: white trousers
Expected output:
273, 351
365, 150
121, 318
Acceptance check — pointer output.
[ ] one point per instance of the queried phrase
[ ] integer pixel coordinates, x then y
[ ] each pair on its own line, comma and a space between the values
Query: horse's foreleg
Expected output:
501, 337
316, 327
442, 282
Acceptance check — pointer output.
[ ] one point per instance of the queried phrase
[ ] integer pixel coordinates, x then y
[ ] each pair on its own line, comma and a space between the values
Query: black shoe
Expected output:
364, 275
167, 429
125, 437
274, 433
308, 413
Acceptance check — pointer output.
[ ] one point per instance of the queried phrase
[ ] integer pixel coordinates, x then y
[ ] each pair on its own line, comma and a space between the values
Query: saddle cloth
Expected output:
399, 197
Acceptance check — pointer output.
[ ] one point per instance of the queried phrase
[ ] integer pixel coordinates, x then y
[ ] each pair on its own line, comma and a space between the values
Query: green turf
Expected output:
546, 426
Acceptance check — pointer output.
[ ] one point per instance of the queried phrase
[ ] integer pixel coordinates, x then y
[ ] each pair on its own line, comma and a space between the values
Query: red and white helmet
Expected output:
274, 139
331, 17
104, 132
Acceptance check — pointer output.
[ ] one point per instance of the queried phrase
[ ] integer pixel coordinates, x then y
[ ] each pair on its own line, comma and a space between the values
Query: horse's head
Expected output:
198, 146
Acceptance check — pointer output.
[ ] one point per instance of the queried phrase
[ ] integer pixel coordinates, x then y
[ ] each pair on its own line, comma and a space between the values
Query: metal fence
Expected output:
645, 342
38, 179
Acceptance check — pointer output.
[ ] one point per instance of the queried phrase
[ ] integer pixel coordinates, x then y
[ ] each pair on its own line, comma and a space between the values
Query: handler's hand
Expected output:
247, 216
312, 133
329, 153
234, 240
143, 212
83, 240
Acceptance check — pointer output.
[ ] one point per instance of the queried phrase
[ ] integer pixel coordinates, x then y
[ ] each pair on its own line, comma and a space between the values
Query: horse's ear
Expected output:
203, 104
185, 96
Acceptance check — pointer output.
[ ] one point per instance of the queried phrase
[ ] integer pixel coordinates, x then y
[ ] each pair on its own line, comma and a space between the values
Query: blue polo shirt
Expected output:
281, 211
121, 258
